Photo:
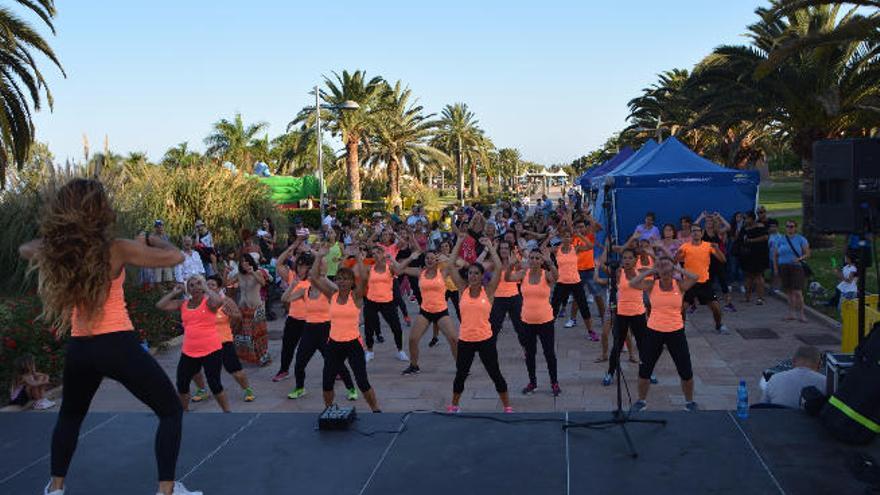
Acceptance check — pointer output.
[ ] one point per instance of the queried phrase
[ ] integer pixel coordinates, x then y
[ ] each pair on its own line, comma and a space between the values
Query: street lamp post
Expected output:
347, 105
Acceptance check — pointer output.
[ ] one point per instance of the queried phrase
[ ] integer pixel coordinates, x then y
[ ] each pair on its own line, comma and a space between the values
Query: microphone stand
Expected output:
618, 416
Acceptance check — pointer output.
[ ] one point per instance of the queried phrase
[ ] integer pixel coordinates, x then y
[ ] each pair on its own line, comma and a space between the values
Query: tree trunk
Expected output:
460, 171
354, 173
489, 184
475, 187
394, 182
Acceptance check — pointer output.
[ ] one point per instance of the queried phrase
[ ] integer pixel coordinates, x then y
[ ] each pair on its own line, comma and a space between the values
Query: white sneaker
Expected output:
591, 299
369, 356
53, 492
570, 323
401, 356
43, 404
179, 489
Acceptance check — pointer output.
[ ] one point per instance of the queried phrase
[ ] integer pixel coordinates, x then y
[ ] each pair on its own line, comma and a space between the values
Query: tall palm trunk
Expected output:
354, 173
394, 181
475, 187
460, 171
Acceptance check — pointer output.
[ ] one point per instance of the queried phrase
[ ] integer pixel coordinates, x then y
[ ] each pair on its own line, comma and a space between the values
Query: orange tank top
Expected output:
113, 317
297, 307
630, 301
536, 307
317, 310
433, 292
344, 320
567, 265
199, 329
505, 288
474, 316
379, 285
224, 329
665, 309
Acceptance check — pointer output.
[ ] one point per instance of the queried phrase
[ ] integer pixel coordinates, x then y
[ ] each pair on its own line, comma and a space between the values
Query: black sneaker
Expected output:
530, 388
638, 406
433, 341
380, 339
411, 370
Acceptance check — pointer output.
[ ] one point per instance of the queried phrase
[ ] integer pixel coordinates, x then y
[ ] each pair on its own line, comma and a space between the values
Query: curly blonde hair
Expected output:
73, 263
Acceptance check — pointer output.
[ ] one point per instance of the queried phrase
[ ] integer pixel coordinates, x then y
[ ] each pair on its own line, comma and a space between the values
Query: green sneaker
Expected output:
249, 395
352, 394
296, 393
200, 395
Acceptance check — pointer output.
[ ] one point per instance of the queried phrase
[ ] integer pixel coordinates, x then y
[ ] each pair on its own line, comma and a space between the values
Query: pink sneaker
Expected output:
508, 410
453, 409
282, 375
592, 336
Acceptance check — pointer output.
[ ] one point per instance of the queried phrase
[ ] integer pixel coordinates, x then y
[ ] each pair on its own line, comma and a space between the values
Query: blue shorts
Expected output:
590, 283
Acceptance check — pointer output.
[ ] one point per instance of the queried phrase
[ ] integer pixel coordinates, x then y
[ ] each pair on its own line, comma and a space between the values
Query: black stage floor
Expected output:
772, 452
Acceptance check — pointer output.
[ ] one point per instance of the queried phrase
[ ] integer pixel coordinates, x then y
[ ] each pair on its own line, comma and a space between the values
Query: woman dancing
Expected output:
297, 285
346, 301
201, 345
476, 335
80, 273
380, 282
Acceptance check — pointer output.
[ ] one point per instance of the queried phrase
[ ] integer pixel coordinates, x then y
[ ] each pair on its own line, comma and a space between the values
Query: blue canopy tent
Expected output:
599, 179
671, 180
605, 167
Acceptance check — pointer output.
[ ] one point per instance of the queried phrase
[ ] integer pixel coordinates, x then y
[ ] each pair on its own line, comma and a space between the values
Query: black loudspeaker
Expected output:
847, 185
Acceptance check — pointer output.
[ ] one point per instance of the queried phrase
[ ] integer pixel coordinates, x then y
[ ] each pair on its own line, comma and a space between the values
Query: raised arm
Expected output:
169, 301
688, 279
641, 281
550, 271
496, 273
215, 300
451, 268
231, 309
319, 281
292, 293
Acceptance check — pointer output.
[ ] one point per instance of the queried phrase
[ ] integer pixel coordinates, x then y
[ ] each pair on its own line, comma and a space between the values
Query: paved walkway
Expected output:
719, 362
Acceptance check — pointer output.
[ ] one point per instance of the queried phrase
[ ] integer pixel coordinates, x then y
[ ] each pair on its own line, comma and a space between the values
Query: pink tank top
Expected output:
113, 317
200, 336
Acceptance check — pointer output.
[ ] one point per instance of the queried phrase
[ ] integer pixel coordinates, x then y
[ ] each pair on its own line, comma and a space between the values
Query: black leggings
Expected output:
638, 325
118, 356
546, 334
371, 321
416, 290
334, 360
315, 338
489, 357
507, 306
560, 296
189, 366
452, 295
677, 344
398, 298
293, 329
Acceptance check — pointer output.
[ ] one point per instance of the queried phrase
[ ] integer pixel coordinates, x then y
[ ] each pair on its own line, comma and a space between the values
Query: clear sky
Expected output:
551, 78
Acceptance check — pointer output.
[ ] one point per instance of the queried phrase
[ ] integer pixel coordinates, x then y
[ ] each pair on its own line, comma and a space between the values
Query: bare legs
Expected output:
418, 331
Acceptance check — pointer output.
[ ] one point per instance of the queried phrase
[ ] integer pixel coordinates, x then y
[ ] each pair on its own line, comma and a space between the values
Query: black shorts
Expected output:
702, 292
434, 317
230, 358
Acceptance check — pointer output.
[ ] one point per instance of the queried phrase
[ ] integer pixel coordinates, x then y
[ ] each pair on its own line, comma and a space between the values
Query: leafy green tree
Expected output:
401, 138
21, 81
355, 127
233, 140
820, 92
181, 156
458, 134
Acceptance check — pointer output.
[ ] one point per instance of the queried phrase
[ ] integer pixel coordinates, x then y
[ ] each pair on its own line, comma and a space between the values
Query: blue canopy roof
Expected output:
605, 166
656, 181
646, 149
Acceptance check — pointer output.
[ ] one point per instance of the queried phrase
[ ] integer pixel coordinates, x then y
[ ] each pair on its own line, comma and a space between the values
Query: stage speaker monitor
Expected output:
847, 184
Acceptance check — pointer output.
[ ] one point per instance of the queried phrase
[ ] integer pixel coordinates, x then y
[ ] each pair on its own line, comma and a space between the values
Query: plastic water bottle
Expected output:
742, 400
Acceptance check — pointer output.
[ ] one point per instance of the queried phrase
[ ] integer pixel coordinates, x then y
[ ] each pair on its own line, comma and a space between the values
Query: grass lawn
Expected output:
781, 194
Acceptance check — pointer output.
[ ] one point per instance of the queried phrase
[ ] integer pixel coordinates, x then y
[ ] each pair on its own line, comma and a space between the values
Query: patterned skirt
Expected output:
252, 337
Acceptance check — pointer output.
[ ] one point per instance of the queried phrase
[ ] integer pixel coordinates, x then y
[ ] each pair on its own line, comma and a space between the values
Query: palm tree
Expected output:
402, 138
479, 156
509, 161
354, 126
181, 156
457, 132
231, 141
822, 92
21, 80
296, 153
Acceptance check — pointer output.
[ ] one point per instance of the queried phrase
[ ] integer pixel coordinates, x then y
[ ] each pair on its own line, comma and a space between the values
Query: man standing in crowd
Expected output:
192, 262
648, 231
205, 246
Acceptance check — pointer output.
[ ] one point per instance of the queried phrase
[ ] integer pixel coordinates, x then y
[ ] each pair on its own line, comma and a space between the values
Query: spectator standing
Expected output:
192, 262
329, 221
648, 231
205, 246
788, 262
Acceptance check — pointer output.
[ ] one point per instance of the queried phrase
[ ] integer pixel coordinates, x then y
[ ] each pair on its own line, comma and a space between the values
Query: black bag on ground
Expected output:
852, 414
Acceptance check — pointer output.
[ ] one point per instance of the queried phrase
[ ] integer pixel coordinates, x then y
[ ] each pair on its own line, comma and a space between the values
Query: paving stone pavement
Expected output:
719, 362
